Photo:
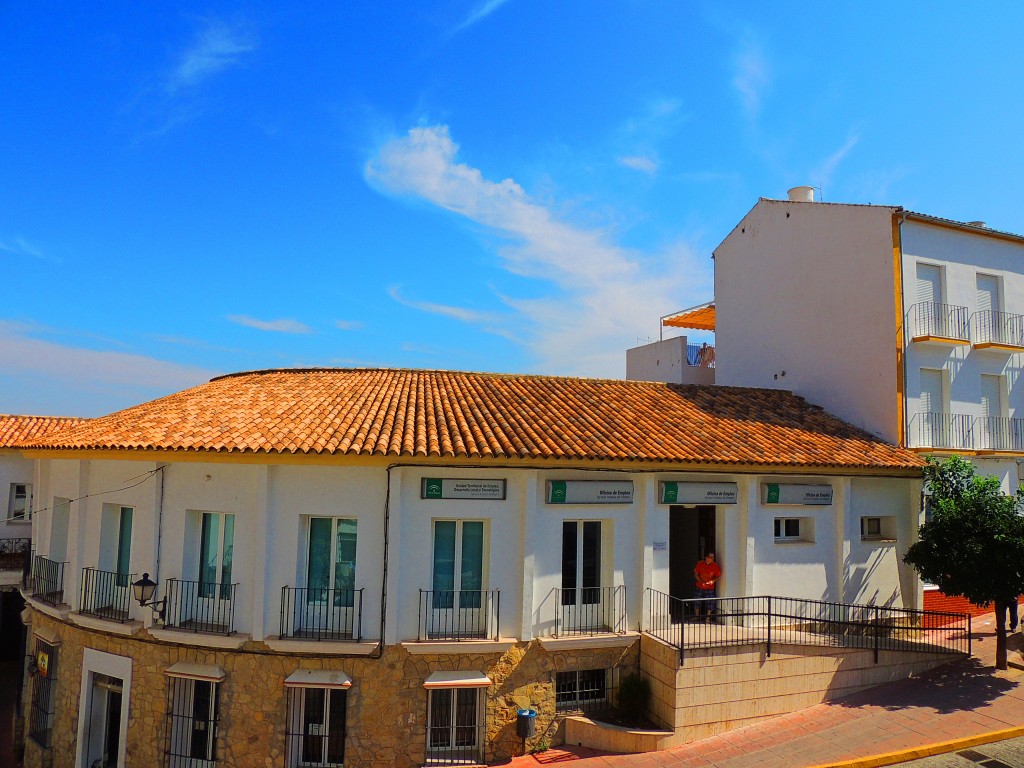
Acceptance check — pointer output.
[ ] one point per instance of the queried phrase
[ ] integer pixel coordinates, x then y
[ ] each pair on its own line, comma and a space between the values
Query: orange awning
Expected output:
701, 318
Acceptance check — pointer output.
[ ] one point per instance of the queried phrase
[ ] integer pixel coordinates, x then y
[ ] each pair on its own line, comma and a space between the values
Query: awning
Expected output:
457, 680
701, 318
318, 678
192, 671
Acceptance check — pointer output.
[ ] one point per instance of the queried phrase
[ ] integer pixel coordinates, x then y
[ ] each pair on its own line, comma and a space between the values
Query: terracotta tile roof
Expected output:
18, 430
410, 413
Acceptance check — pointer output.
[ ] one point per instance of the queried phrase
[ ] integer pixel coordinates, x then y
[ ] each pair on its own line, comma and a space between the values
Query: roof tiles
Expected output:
412, 413
18, 430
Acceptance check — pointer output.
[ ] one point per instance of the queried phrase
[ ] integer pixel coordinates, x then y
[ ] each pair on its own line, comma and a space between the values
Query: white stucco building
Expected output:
905, 324
455, 545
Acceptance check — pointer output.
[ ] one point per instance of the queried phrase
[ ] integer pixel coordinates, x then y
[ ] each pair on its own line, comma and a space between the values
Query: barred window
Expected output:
40, 727
581, 690
453, 726
316, 727
192, 728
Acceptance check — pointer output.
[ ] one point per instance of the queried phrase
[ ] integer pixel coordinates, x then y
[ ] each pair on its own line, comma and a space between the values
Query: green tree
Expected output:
974, 543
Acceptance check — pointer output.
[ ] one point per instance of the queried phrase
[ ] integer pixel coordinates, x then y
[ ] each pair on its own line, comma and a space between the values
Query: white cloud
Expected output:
823, 173
215, 47
752, 75
456, 313
348, 325
21, 247
75, 366
640, 163
607, 295
275, 326
482, 11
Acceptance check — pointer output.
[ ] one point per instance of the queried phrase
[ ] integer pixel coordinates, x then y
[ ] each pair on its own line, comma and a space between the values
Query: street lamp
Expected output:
143, 590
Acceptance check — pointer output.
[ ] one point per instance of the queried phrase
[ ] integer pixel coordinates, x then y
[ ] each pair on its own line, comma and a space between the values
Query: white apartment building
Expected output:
364, 567
907, 325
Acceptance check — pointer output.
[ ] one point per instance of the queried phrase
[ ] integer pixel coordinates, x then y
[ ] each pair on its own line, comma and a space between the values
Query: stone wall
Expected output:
387, 703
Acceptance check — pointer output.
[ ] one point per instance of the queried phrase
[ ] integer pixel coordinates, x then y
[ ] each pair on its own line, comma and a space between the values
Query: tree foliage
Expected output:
974, 543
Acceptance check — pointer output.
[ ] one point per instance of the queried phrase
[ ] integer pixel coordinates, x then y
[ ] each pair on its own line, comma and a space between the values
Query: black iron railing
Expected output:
13, 553
700, 355
587, 691
316, 613
590, 610
943, 430
1002, 328
730, 621
941, 321
459, 614
106, 594
47, 580
201, 606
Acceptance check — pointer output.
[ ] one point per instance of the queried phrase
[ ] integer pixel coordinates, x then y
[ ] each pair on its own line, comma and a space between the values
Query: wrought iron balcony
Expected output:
47, 580
13, 554
106, 594
700, 355
459, 614
949, 431
590, 611
998, 329
200, 606
930, 321
317, 613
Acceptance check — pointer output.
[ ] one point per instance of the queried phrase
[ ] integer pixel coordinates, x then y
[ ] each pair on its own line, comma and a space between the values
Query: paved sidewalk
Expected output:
953, 703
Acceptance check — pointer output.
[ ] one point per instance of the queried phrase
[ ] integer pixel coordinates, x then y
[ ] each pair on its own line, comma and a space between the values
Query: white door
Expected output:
214, 591
989, 317
929, 298
459, 606
330, 578
931, 409
992, 423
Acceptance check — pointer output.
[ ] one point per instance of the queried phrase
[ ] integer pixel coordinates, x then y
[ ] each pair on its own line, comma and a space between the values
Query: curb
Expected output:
915, 753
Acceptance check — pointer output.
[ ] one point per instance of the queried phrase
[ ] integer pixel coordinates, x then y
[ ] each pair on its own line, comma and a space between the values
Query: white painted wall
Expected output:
805, 301
666, 361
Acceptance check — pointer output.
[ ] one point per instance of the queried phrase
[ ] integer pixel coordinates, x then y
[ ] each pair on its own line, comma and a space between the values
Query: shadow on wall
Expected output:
860, 575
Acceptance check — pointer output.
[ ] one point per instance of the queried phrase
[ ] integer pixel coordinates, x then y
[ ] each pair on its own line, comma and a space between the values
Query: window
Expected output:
458, 563
192, 730
789, 529
40, 726
453, 725
331, 563
878, 528
19, 504
583, 690
581, 562
316, 727
215, 554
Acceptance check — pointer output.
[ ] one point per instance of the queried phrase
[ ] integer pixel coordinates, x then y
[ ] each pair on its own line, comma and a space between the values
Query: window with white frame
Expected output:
331, 561
454, 722
458, 564
793, 529
216, 547
316, 727
192, 712
19, 504
582, 690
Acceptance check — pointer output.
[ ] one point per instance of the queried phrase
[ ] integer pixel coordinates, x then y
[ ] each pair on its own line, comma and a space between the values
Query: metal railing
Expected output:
942, 430
47, 580
459, 614
999, 433
587, 691
991, 327
13, 553
590, 611
731, 621
106, 594
701, 356
944, 321
201, 606
319, 613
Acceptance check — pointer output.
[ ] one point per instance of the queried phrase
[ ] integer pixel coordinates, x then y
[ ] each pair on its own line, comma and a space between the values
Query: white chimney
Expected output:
981, 224
801, 195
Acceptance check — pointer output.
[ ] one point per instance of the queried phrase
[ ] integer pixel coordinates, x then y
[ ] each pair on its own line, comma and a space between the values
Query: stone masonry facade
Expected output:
386, 705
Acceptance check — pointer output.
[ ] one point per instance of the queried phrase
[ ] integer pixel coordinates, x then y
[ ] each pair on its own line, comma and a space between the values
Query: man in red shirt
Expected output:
707, 573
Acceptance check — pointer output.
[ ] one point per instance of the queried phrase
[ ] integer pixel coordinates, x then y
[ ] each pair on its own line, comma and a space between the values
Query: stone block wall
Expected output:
386, 707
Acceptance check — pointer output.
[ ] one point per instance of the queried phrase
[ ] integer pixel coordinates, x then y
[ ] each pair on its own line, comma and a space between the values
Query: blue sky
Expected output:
507, 185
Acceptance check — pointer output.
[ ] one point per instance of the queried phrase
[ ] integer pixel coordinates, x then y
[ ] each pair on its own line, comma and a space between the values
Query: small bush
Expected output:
634, 696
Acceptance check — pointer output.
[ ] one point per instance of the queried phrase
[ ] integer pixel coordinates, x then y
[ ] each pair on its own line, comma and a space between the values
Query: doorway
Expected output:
691, 534
104, 723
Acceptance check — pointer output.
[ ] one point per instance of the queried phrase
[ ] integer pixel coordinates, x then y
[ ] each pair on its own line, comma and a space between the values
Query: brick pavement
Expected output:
959, 700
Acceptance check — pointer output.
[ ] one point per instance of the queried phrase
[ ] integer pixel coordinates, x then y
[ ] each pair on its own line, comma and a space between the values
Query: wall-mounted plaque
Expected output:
697, 493
461, 488
590, 492
796, 495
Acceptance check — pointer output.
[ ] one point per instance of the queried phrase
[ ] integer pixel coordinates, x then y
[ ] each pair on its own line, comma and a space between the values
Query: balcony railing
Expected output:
201, 606
953, 431
771, 620
590, 611
13, 553
999, 433
106, 594
47, 580
318, 613
700, 355
998, 329
459, 614
942, 321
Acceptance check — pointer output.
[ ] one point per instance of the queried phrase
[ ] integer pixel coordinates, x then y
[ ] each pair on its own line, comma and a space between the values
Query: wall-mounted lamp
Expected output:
143, 590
